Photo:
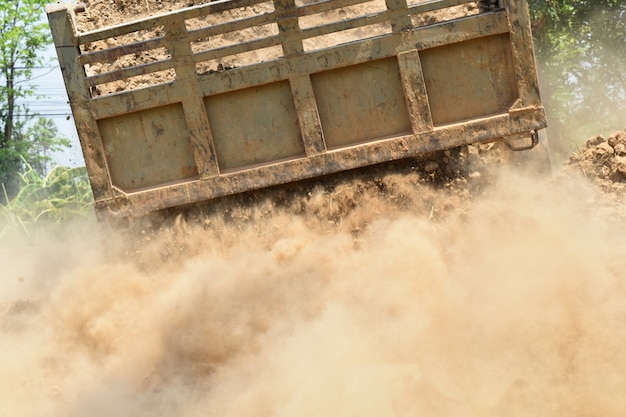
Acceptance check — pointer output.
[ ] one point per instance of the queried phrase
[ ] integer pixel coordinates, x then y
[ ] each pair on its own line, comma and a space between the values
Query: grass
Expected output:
64, 194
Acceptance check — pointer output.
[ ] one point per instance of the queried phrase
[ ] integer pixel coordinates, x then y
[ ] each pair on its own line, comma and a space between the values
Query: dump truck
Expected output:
231, 96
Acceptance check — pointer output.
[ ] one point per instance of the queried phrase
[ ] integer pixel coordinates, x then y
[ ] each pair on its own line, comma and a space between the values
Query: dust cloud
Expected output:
509, 301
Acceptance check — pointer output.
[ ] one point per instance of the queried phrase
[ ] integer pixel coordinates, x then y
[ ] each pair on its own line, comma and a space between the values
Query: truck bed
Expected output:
237, 95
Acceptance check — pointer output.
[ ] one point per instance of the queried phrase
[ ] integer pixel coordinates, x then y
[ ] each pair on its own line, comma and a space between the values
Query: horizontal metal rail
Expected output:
151, 22
111, 54
125, 73
239, 48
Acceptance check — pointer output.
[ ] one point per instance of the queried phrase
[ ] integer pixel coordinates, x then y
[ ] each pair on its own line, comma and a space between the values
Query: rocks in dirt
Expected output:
603, 160
602, 150
620, 165
431, 166
489, 5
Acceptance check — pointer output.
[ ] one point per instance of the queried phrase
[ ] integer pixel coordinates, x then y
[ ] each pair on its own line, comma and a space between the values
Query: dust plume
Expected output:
414, 302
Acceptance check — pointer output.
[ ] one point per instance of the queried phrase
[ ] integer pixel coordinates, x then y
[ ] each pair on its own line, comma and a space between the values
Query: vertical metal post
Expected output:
403, 22
415, 91
300, 81
193, 106
63, 26
410, 69
523, 55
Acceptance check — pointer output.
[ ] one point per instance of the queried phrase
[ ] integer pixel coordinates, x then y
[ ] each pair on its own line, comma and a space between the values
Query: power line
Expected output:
42, 114
39, 67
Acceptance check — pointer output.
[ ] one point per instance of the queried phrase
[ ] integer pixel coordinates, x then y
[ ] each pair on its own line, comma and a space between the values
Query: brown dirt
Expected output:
106, 13
487, 292
603, 161
102, 13
469, 287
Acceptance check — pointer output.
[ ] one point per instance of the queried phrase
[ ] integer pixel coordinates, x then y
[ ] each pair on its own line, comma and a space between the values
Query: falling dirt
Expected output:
476, 288
494, 292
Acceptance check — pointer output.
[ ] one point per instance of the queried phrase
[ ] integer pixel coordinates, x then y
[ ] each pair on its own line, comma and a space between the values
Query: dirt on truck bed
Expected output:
107, 13
99, 14
465, 287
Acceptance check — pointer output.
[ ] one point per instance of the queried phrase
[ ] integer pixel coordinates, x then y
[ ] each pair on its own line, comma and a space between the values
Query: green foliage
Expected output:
43, 138
23, 35
580, 53
32, 148
64, 194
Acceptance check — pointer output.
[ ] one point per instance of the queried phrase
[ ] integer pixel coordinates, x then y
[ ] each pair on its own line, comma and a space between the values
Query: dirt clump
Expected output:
603, 160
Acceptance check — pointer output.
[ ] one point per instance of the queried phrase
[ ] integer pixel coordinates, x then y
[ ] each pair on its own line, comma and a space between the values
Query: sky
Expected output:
51, 102
54, 104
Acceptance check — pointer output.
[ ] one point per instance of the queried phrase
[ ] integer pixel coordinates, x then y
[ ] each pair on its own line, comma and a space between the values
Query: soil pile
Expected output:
604, 161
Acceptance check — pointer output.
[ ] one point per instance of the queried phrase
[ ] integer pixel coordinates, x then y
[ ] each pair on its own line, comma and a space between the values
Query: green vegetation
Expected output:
30, 192
62, 195
582, 60
23, 36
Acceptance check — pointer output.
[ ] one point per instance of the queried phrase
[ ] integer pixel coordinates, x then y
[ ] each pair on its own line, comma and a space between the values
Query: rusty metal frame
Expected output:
405, 45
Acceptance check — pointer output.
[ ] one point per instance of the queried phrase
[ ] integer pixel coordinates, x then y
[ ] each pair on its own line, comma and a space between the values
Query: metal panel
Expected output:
469, 79
148, 148
360, 103
254, 126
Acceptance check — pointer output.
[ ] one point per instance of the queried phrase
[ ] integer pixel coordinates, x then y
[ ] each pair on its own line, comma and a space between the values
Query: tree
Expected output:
580, 53
44, 139
23, 35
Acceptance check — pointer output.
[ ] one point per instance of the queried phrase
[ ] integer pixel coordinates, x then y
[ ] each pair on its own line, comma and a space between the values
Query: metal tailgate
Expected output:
312, 89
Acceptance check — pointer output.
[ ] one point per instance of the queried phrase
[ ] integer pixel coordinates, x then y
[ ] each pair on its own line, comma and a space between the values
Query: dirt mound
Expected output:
603, 161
